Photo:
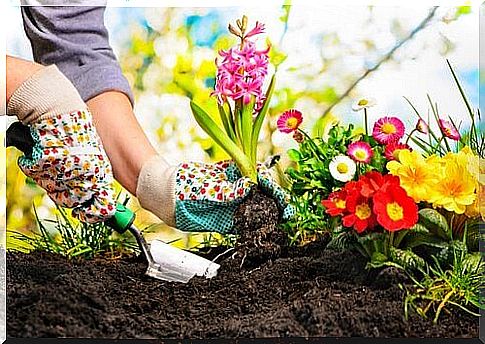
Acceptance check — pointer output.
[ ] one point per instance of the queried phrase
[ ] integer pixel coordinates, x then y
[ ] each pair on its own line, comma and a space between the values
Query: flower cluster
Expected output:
373, 199
385, 181
241, 71
450, 182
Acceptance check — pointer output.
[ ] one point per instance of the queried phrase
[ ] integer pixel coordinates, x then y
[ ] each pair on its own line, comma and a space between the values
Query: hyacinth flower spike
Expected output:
242, 104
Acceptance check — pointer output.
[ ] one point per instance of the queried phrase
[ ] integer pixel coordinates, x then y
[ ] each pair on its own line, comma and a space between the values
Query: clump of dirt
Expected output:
256, 221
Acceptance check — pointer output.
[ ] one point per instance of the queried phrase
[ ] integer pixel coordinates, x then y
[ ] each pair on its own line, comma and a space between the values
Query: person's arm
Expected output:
76, 41
62, 151
18, 71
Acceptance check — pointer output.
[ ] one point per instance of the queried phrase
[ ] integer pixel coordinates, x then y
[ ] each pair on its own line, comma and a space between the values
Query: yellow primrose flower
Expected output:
456, 190
417, 175
466, 158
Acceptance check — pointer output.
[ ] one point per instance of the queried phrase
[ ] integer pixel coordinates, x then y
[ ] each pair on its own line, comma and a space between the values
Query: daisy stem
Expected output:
410, 134
312, 144
365, 120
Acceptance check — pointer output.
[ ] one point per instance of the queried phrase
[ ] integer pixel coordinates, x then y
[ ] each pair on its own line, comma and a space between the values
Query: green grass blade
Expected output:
221, 138
437, 118
417, 113
462, 92
258, 122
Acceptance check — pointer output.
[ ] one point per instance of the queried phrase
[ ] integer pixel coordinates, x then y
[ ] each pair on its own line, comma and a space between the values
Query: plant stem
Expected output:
410, 134
312, 144
365, 122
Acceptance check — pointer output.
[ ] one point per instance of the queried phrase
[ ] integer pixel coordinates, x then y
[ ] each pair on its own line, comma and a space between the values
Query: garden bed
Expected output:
303, 292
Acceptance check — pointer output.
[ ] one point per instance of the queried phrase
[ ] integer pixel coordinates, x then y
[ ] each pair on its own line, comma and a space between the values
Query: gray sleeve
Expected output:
76, 40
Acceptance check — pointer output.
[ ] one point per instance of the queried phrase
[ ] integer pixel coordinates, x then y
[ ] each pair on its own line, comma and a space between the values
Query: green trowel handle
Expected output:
122, 219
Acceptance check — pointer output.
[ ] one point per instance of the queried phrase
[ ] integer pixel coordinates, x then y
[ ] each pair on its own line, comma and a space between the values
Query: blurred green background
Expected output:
326, 57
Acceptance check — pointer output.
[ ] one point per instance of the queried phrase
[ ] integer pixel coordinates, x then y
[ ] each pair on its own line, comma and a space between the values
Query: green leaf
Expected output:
378, 257
258, 122
220, 137
446, 255
247, 127
435, 222
226, 123
419, 228
294, 155
406, 258
414, 240
474, 262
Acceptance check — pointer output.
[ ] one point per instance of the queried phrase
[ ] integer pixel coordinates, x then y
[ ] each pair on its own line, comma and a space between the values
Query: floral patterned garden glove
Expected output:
205, 195
67, 158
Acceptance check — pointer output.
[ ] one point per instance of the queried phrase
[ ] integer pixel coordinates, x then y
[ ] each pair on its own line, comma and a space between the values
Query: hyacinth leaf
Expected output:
258, 122
231, 119
222, 139
247, 126
435, 222
237, 123
226, 123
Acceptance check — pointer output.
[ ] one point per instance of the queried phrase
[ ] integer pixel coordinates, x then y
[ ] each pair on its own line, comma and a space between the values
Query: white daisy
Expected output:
363, 103
342, 168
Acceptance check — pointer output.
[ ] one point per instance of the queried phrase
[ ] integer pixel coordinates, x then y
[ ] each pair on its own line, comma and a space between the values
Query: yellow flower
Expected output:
465, 157
417, 176
456, 190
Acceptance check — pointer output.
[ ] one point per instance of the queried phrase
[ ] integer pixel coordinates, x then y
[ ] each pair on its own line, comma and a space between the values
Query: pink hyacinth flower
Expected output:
289, 121
388, 129
241, 72
449, 130
360, 152
392, 150
258, 28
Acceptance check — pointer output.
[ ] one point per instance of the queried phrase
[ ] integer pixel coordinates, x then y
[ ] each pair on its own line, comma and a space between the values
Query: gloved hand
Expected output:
67, 158
206, 195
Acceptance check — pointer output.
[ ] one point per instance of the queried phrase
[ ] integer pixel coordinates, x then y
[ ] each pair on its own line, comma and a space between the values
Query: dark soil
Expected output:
254, 246
266, 289
304, 292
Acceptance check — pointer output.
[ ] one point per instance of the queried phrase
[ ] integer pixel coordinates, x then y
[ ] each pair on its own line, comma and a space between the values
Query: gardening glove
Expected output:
66, 156
199, 197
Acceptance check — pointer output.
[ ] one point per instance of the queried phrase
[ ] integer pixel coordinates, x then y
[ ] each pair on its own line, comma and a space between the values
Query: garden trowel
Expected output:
165, 262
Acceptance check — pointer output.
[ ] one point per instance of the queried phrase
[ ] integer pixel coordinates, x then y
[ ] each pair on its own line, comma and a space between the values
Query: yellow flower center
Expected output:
388, 128
395, 211
340, 203
363, 102
361, 154
362, 211
292, 123
342, 168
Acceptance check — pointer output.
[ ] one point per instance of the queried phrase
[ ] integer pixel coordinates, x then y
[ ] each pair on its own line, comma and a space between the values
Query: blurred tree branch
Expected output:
384, 59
